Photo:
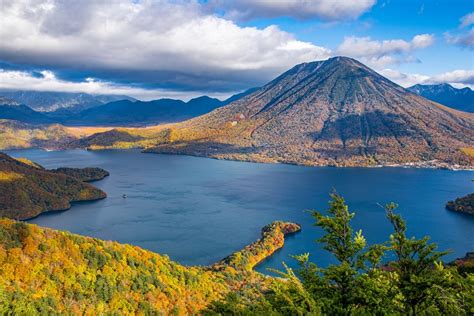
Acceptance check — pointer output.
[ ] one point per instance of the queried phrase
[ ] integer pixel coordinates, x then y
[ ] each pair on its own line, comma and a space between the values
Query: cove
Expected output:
199, 210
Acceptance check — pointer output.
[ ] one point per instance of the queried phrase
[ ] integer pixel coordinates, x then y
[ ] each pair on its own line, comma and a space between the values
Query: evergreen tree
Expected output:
426, 285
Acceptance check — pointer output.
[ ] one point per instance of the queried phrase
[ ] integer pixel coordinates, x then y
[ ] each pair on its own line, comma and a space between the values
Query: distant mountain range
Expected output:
460, 99
122, 112
52, 101
127, 112
12, 110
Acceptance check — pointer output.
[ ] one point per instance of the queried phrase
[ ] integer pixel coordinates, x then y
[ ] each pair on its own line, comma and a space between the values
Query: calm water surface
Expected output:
199, 210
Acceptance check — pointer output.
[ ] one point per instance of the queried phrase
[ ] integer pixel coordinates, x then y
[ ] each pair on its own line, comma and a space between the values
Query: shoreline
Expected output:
408, 165
429, 164
71, 204
272, 239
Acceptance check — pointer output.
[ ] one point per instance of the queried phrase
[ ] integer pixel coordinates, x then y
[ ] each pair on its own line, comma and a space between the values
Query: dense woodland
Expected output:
45, 271
463, 204
27, 189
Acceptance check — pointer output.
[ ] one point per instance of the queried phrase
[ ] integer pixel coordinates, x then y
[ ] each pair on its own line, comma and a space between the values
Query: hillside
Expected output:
16, 134
459, 99
48, 271
335, 112
28, 190
45, 101
463, 204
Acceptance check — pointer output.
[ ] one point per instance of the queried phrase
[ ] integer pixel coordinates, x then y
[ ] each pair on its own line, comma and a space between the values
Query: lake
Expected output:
199, 210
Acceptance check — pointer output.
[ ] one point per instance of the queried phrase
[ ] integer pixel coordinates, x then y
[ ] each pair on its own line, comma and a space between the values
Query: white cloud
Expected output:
381, 53
403, 79
140, 39
422, 41
467, 20
465, 40
329, 10
22, 80
459, 78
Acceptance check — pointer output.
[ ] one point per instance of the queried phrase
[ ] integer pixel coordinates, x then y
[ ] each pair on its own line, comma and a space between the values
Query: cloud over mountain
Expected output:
458, 78
463, 39
48, 81
380, 53
159, 42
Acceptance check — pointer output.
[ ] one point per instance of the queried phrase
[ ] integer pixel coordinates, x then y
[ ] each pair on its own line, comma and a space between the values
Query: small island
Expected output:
463, 204
28, 189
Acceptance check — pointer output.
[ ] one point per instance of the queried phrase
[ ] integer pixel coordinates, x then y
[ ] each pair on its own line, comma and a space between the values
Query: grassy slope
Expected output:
45, 270
14, 134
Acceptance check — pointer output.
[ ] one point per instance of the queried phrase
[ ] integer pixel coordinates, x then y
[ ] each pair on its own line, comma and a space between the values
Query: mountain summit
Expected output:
332, 112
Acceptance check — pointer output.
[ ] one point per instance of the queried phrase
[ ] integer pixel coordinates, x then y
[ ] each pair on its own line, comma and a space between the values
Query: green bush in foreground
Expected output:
414, 283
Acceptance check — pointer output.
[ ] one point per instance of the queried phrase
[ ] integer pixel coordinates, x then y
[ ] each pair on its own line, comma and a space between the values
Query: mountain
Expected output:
333, 112
51, 101
12, 110
28, 189
460, 99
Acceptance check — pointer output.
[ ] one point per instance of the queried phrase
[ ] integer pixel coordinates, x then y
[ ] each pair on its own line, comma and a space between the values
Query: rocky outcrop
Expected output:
463, 204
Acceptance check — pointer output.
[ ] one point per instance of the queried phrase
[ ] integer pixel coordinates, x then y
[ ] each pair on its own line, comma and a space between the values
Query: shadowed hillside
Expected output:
27, 189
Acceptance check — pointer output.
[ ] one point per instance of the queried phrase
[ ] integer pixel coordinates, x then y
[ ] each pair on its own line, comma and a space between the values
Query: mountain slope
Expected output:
460, 99
51, 101
333, 112
28, 190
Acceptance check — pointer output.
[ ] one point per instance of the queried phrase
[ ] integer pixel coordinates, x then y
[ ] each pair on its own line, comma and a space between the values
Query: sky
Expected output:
151, 49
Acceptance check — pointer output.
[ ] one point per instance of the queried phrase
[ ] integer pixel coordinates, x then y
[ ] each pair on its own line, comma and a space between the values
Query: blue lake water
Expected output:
199, 210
